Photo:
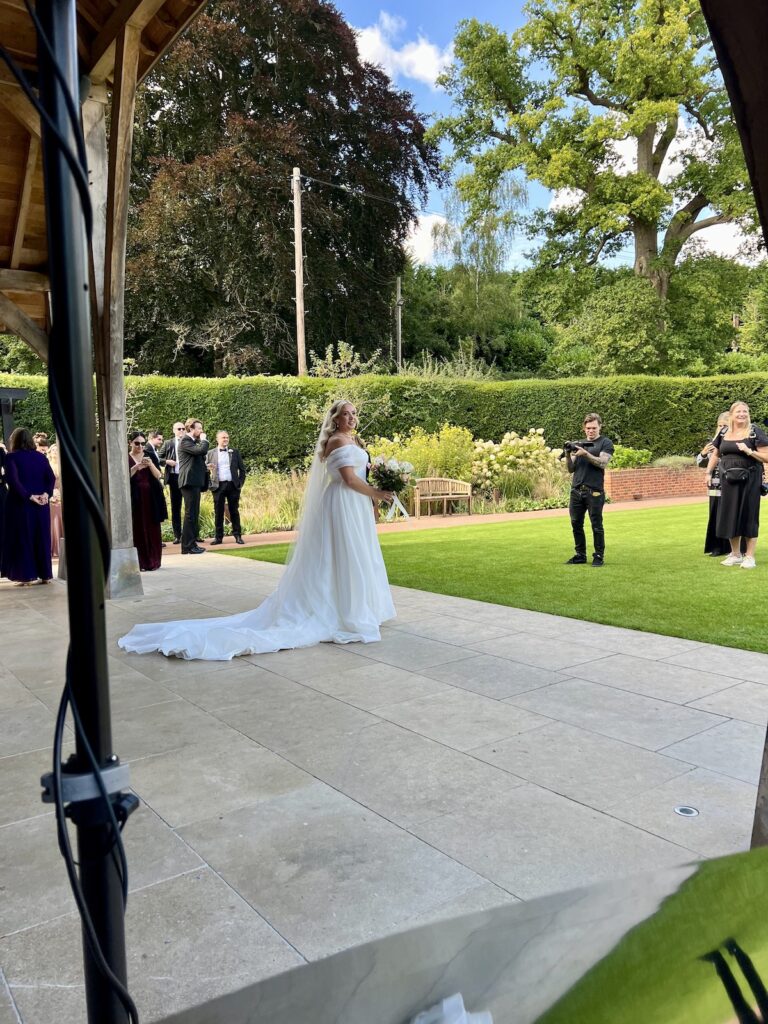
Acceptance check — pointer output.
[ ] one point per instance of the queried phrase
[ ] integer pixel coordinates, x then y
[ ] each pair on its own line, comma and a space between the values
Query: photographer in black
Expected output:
587, 461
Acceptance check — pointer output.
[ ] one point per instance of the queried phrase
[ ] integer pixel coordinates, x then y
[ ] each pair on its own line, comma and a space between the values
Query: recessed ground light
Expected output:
686, 812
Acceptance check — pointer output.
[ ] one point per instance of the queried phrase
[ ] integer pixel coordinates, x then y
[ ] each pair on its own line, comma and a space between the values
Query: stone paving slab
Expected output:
298, 802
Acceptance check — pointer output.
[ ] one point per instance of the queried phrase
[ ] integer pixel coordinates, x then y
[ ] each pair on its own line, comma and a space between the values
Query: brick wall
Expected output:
654, 482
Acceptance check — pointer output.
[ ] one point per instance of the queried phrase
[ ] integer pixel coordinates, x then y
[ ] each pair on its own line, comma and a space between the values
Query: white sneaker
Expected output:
748, 562
732, 560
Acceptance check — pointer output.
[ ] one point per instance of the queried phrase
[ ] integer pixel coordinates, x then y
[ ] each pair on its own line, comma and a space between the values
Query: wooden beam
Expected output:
17, 321
135, 14
23, 281
119, 177
109, 177
194, 7
94, 114
17, 104
23, 211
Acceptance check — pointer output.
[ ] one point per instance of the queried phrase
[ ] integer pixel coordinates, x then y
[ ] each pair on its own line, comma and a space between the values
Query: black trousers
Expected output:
175, 495
226, 492
191, 497
583, 501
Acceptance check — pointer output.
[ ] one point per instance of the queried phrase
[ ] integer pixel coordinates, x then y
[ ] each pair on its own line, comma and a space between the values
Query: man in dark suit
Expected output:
227, 478
169, 457
153, 446
193, 478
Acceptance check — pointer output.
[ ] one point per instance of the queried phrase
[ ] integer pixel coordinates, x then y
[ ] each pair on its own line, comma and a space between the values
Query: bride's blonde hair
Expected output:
329, 424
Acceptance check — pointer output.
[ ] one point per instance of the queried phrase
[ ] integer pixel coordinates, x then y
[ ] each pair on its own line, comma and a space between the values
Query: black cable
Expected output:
65, 847
79, 174
78, 165
352, 191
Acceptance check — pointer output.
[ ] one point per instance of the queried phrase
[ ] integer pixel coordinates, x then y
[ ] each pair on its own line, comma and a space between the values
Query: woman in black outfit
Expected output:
714, 545
741, 453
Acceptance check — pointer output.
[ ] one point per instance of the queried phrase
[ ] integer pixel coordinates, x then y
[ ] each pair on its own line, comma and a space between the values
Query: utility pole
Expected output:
399, 322
298, 250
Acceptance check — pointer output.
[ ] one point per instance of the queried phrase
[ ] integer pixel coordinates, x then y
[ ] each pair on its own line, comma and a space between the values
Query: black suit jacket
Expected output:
168, 451
192, 469
151, 452
236, 467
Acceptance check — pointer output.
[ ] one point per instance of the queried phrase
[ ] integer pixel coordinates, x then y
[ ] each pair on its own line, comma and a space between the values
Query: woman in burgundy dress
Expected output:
30, 480
147, 504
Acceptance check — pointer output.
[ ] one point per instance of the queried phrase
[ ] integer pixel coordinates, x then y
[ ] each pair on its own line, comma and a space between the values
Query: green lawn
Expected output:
655, 577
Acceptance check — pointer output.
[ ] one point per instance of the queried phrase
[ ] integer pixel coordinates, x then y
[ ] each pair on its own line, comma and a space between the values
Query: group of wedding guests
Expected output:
30, 508
735, 459
188, 466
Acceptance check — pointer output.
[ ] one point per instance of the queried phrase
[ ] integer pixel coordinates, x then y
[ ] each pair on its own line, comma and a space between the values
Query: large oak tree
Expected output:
254, 89
616, 105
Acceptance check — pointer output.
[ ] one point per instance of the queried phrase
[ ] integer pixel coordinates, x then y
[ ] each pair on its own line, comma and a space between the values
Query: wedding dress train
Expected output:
334, 588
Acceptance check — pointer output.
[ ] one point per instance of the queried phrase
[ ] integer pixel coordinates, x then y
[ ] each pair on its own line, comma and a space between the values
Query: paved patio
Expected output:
298, 803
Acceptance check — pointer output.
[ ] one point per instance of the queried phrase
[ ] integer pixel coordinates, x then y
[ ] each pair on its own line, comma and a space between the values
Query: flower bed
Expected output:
654, 482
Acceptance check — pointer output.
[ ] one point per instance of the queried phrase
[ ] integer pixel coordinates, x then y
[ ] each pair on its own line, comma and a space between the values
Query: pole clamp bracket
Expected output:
79, 787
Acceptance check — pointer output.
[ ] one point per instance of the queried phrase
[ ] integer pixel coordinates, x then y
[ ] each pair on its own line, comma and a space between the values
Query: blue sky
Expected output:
412, 42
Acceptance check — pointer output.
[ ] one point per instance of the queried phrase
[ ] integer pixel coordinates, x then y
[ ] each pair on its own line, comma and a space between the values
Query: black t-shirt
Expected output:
585, 473
730, 453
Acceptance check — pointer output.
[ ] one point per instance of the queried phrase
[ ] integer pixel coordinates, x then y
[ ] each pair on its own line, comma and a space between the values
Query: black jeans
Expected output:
583, 500
226, 492
191, 497
175, 495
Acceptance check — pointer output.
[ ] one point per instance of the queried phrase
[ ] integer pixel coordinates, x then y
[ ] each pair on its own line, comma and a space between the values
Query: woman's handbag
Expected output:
736, 475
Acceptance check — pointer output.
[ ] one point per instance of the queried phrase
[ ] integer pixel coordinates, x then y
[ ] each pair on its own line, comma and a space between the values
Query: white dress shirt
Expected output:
225, 472
176, 446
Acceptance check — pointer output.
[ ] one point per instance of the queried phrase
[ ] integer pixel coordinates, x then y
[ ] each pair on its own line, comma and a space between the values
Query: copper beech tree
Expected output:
253, 90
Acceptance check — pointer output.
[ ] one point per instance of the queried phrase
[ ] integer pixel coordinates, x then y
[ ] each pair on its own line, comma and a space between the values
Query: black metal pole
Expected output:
71, 367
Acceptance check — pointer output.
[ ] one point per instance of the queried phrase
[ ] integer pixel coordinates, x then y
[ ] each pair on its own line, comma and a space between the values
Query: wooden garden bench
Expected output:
440, 488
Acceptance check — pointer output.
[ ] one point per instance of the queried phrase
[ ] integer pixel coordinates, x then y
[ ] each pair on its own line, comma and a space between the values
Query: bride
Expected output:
334, 587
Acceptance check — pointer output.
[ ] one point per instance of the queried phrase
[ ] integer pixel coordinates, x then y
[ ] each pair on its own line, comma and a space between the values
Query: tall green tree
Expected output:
618, 106
253, 90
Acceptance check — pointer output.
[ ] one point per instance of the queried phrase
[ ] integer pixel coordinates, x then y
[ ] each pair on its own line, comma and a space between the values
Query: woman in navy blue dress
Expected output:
30, 480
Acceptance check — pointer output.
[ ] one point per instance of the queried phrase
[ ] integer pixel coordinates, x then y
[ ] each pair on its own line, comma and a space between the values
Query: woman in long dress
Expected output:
57, 516
714, 545
27, 547
741, 452
334, 588
148, 508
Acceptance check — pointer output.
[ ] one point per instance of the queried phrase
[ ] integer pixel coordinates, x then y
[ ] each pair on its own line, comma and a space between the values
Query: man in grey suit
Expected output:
227, 478
193, 478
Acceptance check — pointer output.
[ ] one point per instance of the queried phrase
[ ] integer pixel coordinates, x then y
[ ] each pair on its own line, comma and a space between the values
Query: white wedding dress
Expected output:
334, 588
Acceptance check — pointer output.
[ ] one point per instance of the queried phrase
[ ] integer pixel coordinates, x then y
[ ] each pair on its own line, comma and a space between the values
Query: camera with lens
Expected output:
571, 446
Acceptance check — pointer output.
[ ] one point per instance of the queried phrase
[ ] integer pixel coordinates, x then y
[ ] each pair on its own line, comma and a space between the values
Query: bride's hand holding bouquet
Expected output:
391, 477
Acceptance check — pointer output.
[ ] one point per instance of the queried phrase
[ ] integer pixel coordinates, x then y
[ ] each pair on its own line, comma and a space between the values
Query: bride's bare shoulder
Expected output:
335, 442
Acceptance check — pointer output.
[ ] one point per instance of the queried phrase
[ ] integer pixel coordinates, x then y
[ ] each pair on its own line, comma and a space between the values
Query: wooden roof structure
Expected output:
739, 30
23, 246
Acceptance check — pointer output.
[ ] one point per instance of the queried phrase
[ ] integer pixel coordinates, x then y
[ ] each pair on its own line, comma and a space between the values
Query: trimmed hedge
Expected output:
270, 422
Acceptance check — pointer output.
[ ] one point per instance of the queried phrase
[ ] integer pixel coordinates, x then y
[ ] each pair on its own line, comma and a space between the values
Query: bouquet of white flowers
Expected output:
391, 475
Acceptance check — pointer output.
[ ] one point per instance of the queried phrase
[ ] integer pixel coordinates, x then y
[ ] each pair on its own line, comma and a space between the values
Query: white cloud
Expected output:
420, 243
419, 60
564, 198
727, 240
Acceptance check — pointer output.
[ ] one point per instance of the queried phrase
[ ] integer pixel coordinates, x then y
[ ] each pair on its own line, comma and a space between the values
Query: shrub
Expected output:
630, 458
448, 452
270, 422
519, 466
269, 501
674, 462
